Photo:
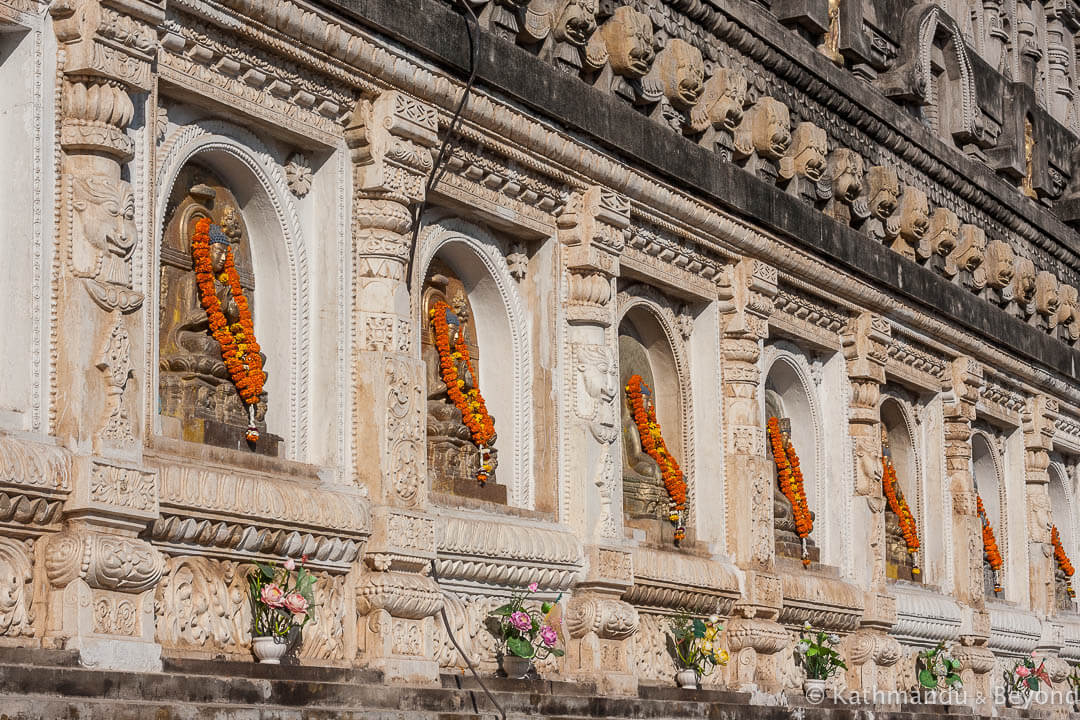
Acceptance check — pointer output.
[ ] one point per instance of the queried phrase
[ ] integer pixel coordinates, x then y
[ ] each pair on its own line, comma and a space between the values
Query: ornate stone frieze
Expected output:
818, 317
1005, 399
672, 582
16, 593
908, 357
670, 257
403, 595
925, 618
34, 466
477, 551
825, 602
104, 562
1013, 632
215, 510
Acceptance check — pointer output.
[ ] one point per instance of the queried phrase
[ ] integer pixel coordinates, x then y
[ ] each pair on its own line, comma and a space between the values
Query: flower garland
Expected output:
652, 441
900, 508
790, 478
239, 349
1063, 562
474, 412
990, 546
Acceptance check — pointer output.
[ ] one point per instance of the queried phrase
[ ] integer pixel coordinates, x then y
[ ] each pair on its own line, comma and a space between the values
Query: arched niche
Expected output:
898, 434
648, 346
475, 262
1062, 513
789, 397
989, 481
278, 261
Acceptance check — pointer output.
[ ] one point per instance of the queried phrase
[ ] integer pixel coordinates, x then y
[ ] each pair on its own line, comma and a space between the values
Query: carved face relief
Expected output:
599, 387
1024, 280
914, 213
847, 174
722, 101
809, 148
884, 191
971, 250
682, 71
1046, 294
944, 231
771, 125
105, 211
628, 35
999, 264
575, 21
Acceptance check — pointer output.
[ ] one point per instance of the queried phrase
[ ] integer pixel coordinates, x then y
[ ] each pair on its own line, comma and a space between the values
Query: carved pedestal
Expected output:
870, 652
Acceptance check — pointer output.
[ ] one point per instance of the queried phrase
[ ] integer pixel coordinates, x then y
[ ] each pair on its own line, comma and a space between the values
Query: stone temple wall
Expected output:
859, 213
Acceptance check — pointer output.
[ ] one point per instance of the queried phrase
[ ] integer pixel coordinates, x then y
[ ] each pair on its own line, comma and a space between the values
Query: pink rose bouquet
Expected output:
528, 632
282, 597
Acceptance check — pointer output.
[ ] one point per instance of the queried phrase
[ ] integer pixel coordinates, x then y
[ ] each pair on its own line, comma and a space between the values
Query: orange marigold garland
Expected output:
474, 412
239, 349
790, 478
1063, 562
900, 508
990, 546
652, 441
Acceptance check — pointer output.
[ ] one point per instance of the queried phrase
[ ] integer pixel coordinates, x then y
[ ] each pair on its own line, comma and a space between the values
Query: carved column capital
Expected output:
593, 230
389, 139
1038, 417
746, 292
963, 385
865, 344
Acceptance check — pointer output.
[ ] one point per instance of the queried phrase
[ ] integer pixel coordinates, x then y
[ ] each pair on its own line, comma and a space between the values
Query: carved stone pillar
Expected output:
389, 139
746, 295
592, 234
963, 392
871, 652
1038, 418
99, 578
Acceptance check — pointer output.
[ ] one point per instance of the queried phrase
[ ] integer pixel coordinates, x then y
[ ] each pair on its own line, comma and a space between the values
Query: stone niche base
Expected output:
40, 685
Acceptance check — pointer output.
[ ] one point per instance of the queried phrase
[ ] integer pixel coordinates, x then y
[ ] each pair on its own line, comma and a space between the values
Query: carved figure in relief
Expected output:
999, 270
565, 27
680, 69
15, 589
453, 459
884, 194
805, 168
941, 240
914, 224
1046, 299
720, 110
643, 487
1068, 315
763, 137
849, 205
1023, 287
968, 258
628, 38
199, 401
104, 232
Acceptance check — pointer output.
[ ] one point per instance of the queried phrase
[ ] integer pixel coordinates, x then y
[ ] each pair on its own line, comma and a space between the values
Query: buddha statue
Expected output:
785, 535
198, 399
453, 457
644, 494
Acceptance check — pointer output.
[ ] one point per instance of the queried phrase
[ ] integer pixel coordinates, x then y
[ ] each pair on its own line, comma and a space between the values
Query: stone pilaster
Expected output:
962, 394
390, 139
872, 653
1038, 418
99, 577
746, 294
592, 234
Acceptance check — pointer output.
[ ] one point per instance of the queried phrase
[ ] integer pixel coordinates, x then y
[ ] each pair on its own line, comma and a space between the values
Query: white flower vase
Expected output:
268, 650
814, 689
687, 679
516, 667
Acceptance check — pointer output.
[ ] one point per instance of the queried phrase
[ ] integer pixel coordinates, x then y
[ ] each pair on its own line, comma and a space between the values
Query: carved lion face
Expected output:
1024, 280
811, 148
106, 210
576, 21
884, 202
1046, 293
847, 175
944, 231
772, 128
999, 264
689, 80
915, 213
629, 39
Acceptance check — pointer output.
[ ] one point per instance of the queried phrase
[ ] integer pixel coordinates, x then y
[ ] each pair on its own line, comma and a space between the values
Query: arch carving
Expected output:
280, 252
480, 244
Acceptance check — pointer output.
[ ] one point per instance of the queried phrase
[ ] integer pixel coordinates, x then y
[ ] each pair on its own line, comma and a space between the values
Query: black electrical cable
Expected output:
438, 168
472, 668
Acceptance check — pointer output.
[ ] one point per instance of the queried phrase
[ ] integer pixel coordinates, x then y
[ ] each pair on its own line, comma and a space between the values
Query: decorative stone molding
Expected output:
593, 232
17, 611
493, 551
667, 581
924, 618
816, 318
1014, 633
872, 653
827, 603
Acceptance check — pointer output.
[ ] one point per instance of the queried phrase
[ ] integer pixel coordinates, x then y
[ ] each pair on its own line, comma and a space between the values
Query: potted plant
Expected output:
816, 651
282, 598
1025, 678
937, 670
525, 634
696, 648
